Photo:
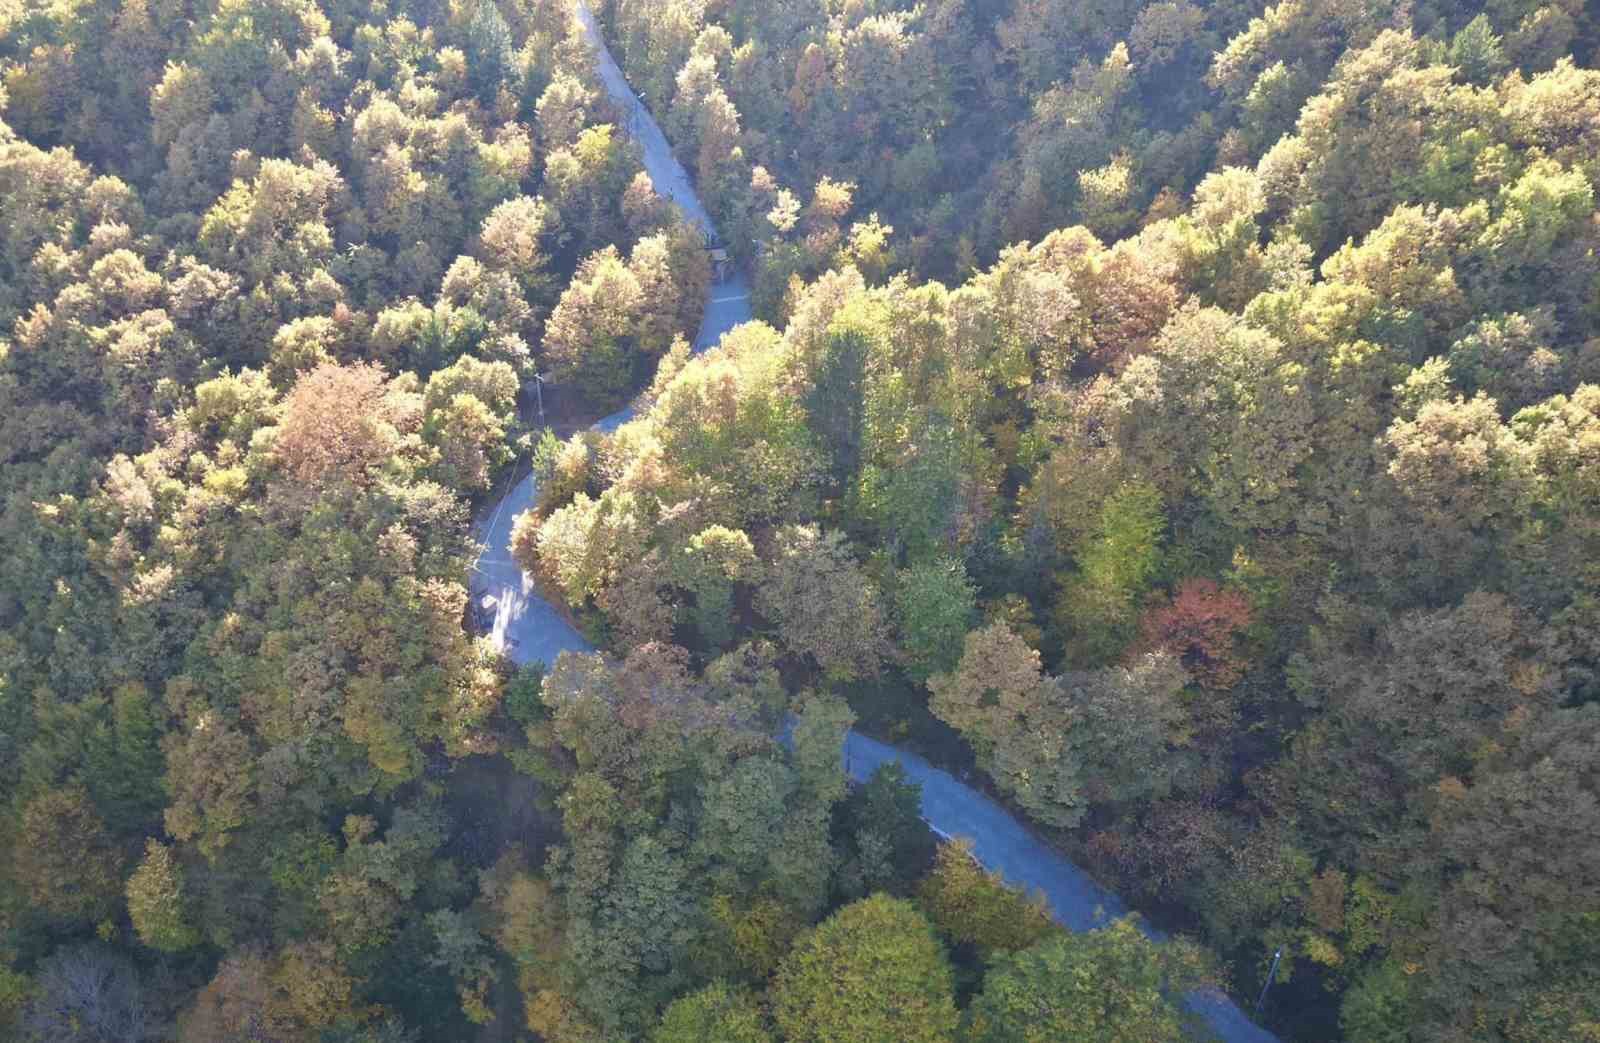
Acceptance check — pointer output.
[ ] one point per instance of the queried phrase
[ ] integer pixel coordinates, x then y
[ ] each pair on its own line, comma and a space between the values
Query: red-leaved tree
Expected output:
1200, 625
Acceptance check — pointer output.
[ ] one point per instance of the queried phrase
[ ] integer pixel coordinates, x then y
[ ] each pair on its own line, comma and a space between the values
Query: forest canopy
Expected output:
1181, 420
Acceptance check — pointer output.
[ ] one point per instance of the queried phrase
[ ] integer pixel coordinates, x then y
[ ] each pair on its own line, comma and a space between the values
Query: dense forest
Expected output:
1179, 419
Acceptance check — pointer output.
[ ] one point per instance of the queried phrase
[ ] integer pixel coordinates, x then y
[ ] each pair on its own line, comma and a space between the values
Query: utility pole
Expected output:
538, 390
1273, 973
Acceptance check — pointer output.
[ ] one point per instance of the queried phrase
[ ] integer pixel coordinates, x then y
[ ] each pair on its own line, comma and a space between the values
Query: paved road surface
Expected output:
664, 169
529, 629
524, 625
1003, 845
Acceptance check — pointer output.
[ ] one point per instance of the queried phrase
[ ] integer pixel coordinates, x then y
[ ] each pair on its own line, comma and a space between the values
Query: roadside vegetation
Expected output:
1183, 418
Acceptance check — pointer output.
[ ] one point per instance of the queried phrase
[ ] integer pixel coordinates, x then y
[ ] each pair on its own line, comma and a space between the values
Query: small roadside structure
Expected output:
719, 263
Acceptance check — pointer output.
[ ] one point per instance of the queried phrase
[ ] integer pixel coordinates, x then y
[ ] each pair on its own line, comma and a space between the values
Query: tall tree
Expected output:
156, 901
1106, 984
872, 971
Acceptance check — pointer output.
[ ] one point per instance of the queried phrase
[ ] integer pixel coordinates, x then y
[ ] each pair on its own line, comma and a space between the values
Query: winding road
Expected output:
527, 628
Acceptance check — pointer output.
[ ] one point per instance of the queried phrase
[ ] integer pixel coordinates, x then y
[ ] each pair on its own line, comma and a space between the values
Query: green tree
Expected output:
1017, 721
1378, 1006
824, 604
879, 831
631, 956
742, 820
872, 972
836, 401
1129, 726
819, 735
1106, 984
489, 49
1476, 53
15, 990
716, 1012
1098, 606
562, 111
589, 340
464, 953
910, 493
717, 560
156, 901
65, 860
717, 406
365, 895
128, 785
585, 183
1563, 1010
971, 906
935, 605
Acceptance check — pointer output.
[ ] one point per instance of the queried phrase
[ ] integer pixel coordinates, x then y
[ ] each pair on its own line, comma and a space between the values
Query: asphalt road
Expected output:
529, 629
523, 625
1003, 845
670, 178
